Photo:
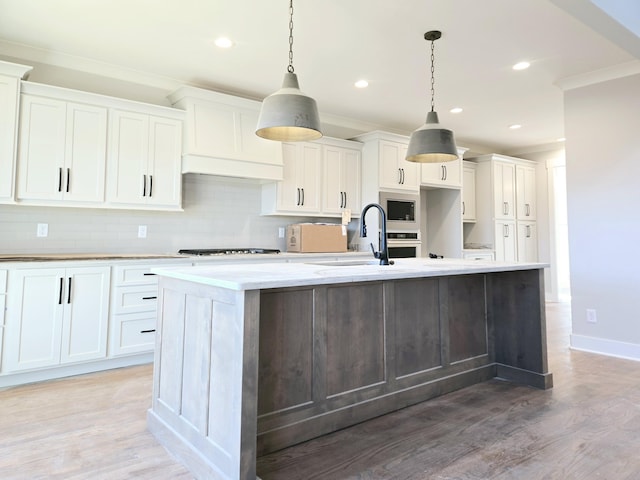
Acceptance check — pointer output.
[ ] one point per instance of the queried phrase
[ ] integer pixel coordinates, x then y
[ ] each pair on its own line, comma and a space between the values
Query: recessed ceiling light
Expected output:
515, 126
224, 42
456, 110
361, 84
521, 66
561, 139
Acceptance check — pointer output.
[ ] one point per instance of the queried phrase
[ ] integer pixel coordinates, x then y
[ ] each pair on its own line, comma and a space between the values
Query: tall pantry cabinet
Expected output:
506, 207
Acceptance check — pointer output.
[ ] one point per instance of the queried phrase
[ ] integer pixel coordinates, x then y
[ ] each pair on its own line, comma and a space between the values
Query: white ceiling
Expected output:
337, 42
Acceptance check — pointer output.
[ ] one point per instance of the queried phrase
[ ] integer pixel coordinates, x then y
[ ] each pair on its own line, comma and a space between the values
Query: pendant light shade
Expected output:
431, 143
289, 115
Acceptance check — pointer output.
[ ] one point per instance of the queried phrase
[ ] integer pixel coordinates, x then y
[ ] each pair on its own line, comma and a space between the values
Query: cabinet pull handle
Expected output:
60, 291
69, 292
527, 209
148, 331
68, 178
298, 198
345, 199
506, 231
403, 176
149, 298
59, 179
144, 185
150, 186
528, 231
148, 273
399, 176
463, 207
302, 190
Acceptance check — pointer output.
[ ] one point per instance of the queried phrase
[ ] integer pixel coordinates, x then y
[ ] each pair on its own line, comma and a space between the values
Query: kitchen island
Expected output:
253, 358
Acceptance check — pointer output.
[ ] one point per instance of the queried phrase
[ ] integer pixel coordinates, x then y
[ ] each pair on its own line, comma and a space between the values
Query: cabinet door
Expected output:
504, 194
341, 180
42, 148
8, 128
469, 194
395, 172
527, 242
505, 241
299, 191
85, 153
526, 192
128, 154
164, 185
445, 174
333, 200
352, 180
34, 319
86, 314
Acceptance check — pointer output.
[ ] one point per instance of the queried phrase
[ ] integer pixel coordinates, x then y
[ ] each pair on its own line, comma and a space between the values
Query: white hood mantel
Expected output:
219, 136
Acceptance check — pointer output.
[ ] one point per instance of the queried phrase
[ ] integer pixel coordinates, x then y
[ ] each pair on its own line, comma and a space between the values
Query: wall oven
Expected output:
403, 244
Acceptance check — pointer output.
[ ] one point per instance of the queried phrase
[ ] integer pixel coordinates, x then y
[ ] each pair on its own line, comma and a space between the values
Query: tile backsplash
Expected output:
218, 213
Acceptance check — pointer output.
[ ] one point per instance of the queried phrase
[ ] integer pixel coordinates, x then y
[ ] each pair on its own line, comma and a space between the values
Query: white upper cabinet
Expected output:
445, 174
10, 74
395, 172
144, 160
220, 136
84, 149
299, 190
341, 178
526, 192
320, 178
62, 150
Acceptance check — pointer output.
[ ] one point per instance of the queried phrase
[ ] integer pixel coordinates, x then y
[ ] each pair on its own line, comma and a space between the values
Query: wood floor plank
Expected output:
586, 427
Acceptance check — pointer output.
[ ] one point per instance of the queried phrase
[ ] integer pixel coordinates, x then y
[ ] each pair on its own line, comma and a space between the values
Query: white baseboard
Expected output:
612, 348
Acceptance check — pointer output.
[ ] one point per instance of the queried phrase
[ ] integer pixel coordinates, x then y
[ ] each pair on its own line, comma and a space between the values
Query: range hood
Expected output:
219, 136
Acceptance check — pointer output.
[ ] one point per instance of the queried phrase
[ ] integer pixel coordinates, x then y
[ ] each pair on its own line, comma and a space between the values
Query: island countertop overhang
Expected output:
256, 276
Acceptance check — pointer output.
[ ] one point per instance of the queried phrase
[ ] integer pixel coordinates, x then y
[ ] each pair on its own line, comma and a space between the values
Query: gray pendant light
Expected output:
289, 115
431, 143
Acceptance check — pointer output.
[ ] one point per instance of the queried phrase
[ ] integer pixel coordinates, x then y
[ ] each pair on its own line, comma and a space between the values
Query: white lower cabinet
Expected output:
506, 243
527, 242
134, 310
56, 316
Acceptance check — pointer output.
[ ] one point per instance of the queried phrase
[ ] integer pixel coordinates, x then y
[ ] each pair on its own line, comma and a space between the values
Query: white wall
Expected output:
602, 126
217, 213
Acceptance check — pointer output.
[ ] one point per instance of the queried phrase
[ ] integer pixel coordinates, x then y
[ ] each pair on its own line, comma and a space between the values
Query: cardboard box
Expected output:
316, 238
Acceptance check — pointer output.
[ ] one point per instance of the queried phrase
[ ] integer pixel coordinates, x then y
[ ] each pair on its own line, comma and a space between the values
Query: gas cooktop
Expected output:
227, 251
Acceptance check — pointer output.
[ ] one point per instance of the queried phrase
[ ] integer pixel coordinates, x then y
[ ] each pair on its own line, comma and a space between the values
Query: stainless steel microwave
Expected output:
403, 211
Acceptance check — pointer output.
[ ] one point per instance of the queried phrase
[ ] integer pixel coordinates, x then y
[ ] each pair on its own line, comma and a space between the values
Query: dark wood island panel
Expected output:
279, 366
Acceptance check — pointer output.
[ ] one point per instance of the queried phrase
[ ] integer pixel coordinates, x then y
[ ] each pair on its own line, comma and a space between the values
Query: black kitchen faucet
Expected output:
383, 254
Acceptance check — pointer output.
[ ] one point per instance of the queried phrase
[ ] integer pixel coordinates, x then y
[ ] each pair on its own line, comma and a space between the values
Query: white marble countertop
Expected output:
254, 276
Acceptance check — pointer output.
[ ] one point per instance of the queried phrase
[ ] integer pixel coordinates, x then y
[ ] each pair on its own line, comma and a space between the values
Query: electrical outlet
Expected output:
142, 231
43, 230
280, 232
591, 316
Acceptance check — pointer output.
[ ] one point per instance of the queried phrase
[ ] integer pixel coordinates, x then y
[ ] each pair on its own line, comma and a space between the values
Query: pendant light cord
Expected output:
290, 67
432, 75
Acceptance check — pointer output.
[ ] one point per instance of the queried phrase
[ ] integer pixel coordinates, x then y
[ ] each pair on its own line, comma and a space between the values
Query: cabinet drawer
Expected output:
134, 275
3, 281
133, 333
135, 298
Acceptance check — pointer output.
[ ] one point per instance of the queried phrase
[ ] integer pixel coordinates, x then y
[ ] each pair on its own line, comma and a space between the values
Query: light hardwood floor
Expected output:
586, 427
